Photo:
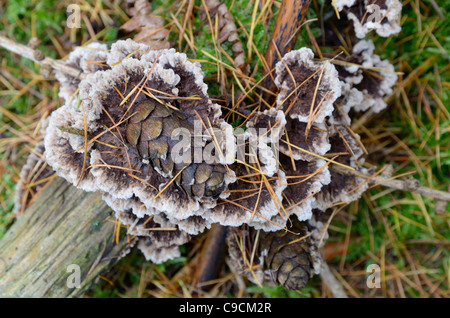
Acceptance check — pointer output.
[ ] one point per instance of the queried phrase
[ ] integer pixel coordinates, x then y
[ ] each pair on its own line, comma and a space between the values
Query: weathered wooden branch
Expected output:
410, 185
331, 281
63, 226
212, 256
290, 17
38, 57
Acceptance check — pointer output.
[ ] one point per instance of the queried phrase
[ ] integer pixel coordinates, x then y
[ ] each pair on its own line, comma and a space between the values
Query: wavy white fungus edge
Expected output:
155, 249
318, 147
193, 225
168, 203
82, 58
60, 148
351, 192
303, 211
304, 57
189, 225
340, 4
385, 29
126, 49
159, 63
266, 155
92, 91
157, 255
122, 51
94, 88
386, 69
351, 98
264, 214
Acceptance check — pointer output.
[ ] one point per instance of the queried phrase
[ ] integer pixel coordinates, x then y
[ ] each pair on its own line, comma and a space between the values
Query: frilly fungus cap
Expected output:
366, 81
266, 194
378, 78
89, 59
117, 137
343, 187
128, 113
367, 15
308, 88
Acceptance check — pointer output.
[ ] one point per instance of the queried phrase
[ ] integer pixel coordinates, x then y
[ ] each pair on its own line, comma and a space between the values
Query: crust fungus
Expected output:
351, 98
159, 239
254, 199
367, 15
303, 142
118, 138
266, 194
304, 180
262, 139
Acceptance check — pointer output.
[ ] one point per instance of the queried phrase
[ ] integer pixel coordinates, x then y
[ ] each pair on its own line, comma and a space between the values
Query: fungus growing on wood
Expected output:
378, 78
88, 59
367, 15
261, 139
308, 88
159, 239
366, 82
305, 179
347, 148
120, 139
351, 97
253, 199
302, 142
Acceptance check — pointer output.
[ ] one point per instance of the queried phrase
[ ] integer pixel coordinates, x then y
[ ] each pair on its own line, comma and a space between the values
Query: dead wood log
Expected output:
64, 226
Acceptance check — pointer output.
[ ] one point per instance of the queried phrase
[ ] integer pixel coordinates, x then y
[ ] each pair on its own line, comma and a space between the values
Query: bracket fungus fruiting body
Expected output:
141, 128
316, 98
382, 16
81, 58
307, 88
366, 81
119, 140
